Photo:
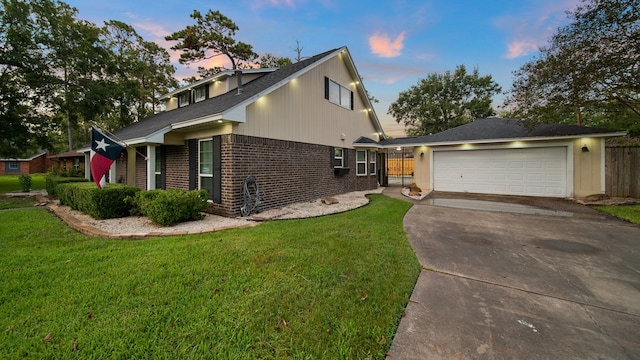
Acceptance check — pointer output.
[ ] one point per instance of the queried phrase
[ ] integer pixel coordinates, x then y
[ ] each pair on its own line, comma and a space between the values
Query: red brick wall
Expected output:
38, 165
141, 167
177, 167
286, 172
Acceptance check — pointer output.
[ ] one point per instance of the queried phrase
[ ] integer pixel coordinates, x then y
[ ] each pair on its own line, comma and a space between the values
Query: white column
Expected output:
151, 167
87, 165
112, 173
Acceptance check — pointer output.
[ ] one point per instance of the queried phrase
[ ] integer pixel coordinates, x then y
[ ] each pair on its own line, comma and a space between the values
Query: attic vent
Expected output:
239, 77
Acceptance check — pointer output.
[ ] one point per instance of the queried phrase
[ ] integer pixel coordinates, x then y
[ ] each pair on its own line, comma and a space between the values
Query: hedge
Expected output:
106, 203
52, 183
168, 207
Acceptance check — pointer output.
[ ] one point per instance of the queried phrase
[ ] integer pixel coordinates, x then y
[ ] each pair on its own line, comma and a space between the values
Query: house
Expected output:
70, 161
303, 131
35, 164
503, 156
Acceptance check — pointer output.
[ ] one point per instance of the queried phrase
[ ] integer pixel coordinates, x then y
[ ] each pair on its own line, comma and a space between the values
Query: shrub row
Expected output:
168, 207
52, 183
106, 203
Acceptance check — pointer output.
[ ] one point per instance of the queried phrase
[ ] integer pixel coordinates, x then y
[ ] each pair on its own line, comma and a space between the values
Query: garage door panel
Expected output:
531, 171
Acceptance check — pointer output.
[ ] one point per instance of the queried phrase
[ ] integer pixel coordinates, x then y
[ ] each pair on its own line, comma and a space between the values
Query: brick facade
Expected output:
286, 172
38, 165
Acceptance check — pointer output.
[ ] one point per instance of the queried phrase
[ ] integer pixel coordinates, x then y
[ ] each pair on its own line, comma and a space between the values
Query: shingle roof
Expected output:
496, 129
214, 105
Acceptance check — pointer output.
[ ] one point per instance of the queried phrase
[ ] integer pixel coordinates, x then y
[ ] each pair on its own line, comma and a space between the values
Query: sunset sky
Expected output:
394, 43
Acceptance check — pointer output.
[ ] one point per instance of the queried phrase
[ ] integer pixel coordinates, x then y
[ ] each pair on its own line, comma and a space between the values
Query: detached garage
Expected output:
502, 156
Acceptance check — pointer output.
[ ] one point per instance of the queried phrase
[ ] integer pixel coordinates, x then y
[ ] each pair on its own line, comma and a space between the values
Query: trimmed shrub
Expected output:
52, 183
168, 207
106, 203
25, 182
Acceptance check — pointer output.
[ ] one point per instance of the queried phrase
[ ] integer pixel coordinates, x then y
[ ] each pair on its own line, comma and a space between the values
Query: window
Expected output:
200, 93
205, 163
338, 158
76, 163
183, 99
372, 162
14, 165
158, 169
361, 162
338, 94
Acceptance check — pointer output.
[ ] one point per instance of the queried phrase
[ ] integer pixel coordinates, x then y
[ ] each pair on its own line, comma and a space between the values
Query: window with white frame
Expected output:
205, 163
372, 162
14, 165
158, 167
76, 163
183, 99
200, 93
338, 158
338, 94
361, 162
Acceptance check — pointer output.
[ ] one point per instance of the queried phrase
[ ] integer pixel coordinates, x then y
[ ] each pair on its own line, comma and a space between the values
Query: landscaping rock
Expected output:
329, 201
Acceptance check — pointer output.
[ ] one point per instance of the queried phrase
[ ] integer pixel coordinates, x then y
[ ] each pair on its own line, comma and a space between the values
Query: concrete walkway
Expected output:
563, 283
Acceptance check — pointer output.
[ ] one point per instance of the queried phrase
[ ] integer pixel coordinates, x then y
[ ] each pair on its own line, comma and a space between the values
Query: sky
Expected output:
394, 43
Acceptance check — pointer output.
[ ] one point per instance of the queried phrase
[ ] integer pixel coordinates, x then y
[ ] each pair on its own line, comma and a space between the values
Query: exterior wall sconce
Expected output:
422, 154
585, 149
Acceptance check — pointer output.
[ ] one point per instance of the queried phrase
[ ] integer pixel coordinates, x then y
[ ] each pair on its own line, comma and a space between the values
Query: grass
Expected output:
16, 202
332, 287
11, 183
630, 213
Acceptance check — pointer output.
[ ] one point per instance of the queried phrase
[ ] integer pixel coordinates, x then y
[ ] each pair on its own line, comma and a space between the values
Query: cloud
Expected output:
257, 4
382, 45
519, 48
533, 27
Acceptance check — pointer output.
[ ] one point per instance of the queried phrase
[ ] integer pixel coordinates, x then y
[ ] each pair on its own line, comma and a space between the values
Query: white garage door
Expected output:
529, 172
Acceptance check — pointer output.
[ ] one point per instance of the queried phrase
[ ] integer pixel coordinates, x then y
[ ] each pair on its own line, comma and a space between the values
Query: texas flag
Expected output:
104, 152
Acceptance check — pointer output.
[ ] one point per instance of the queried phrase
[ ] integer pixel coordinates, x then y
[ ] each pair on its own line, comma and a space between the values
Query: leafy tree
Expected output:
272, 61
443, 101
75, 56
212, 36
24, 120
138, 70
589, 71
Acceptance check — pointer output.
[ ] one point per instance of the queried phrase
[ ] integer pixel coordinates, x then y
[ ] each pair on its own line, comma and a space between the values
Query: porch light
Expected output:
585, 149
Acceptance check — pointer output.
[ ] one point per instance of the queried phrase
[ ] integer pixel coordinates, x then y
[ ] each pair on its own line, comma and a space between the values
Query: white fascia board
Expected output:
493, 141
368, 146
198, 121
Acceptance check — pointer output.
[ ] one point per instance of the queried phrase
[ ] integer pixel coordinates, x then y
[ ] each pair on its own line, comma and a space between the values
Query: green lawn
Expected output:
630, 213
16, 202
332, 287
11, 183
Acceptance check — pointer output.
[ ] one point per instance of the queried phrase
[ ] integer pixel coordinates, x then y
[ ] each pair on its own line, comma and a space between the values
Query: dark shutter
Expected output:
345, 158
326, 88
206, 91
217, 170
332, 157
352, 100
192, 145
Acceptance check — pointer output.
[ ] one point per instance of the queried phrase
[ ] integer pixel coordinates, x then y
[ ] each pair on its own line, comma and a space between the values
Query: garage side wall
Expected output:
422, 167
588, 167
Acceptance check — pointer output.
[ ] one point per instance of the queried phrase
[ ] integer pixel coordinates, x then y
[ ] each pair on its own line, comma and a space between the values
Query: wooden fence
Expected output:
396, 167
622, 171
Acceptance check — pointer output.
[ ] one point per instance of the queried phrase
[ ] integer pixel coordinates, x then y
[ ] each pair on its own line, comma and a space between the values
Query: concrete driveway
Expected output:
497, 284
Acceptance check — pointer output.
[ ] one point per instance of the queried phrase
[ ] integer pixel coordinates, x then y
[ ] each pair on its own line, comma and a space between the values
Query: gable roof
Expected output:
500, 130
228, 106
42, 152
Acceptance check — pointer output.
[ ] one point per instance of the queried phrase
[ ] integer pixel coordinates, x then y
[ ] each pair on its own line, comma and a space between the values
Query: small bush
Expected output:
106, 203
168, 207
52, 183
25, 182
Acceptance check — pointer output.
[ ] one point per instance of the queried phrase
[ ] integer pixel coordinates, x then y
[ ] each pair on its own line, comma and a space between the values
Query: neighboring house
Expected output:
36, 164
68, 161
501, 156
303, 131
